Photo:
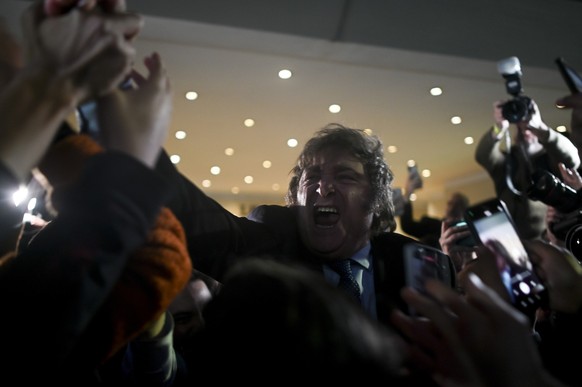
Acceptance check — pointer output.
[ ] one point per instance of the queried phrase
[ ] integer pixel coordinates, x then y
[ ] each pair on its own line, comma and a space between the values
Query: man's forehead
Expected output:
324, 163
333, 154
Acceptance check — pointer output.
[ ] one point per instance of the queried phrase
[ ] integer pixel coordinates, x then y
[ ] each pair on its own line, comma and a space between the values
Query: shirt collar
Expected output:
362, 256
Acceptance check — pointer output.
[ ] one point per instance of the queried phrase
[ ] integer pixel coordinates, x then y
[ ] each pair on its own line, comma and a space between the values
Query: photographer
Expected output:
511, 164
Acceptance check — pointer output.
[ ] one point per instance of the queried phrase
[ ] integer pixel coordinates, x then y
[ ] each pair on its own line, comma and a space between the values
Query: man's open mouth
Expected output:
326, 216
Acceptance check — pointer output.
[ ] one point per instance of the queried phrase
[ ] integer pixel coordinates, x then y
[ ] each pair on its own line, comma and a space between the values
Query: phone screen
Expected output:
571, 77
423, 262
492, 225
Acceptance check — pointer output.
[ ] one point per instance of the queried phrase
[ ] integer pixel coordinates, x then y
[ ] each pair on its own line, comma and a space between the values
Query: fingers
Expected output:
90, 47
112, 6
61, 7
570, 176
126, 24
488, 301
570, 101
422, 336
433, 310
58, 7
157, 75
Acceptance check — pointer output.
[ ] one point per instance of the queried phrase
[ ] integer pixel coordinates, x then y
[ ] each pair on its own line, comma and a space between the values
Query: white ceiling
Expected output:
377, 59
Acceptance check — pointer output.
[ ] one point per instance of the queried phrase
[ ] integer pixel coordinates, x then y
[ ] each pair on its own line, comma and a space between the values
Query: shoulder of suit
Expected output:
392, 238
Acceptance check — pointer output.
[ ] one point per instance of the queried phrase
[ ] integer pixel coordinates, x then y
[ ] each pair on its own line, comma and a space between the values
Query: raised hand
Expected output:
136, 121
476, 340
91, 48
60, 7
561, 274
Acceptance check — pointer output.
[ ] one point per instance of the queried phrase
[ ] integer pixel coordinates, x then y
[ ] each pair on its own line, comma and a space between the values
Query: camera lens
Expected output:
516, 110
574, 241
548, 189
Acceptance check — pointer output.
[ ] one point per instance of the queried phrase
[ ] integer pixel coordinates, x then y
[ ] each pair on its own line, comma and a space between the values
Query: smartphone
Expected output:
571, 77
423, 262
413, 172
468, 241
398, 200
491, 225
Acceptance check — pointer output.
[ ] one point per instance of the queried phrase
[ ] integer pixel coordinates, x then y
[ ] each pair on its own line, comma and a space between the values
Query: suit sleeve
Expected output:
52, 289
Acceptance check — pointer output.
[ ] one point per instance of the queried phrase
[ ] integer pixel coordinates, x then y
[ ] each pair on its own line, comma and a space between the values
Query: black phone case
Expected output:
422, 262
571, 77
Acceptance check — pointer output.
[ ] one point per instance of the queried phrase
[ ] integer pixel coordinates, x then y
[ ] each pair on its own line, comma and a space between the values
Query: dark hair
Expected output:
289, 321
368, 149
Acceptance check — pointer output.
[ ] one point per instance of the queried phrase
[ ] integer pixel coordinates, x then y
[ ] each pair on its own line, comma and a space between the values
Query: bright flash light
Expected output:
19, 196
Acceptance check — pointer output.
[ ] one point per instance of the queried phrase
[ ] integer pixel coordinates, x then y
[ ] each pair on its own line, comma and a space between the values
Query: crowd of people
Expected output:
141, 279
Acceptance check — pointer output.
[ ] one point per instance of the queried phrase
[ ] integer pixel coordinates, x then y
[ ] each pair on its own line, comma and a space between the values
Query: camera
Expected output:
520, 107
569, 230
468, 241
548, 189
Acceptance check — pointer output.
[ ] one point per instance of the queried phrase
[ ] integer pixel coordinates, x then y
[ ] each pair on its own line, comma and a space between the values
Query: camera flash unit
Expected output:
508, 66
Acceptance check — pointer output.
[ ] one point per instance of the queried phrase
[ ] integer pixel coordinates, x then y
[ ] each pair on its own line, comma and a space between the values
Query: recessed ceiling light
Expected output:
469, 140
235, 190
334, 108
191, 95
215, 170
436, 91
266, 164
561, 128
248, 179
456, 120
292, 143
426, 173
275, 187
175, 159
229, 151
285, 74
206, 183
249, 122
392, 149
180, 134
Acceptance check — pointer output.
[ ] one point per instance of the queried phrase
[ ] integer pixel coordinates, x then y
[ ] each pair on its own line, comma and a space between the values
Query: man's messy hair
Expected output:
369, 150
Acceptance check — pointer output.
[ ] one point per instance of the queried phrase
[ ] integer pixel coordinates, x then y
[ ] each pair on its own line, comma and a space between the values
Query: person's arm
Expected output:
559, 147
58, 76
488, 151
32, 106
72, 264
150, 359
216, 237
561, 150
560, 334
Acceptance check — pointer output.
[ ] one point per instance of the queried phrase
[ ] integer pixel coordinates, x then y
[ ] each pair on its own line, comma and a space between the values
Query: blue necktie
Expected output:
347, 281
